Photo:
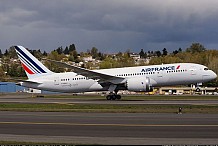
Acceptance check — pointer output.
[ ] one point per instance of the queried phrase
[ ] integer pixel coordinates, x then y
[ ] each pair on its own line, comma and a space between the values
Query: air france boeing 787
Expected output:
140, 78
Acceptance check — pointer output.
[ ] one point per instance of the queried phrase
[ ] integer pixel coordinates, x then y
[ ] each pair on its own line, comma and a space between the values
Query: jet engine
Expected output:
139, 84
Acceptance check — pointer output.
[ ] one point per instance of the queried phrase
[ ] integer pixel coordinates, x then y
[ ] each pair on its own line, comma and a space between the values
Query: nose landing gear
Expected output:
197, 87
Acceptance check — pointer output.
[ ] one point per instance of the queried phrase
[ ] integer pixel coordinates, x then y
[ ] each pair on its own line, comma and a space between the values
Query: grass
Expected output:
108, 108
81, 107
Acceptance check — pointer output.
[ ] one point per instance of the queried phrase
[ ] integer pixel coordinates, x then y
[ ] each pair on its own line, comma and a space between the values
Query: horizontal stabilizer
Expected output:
27, 81
22, 80
32, 82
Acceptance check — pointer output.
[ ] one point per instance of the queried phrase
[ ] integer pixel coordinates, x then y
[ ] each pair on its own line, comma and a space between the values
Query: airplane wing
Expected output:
89, 73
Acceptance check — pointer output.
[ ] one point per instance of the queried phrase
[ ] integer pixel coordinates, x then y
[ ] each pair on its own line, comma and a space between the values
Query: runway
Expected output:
109, 128
26, 98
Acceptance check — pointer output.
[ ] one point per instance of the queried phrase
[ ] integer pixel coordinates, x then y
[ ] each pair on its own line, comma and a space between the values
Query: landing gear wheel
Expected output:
118, 97
198, 90
108, 97
113, 97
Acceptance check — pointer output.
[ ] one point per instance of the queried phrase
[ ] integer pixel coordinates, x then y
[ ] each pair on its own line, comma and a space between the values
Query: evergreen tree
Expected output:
149, 54
45, 53
158, 53
60, 50
165, 52
141, 53
72, 48
66, 50
175, 52
6, 53
1, 53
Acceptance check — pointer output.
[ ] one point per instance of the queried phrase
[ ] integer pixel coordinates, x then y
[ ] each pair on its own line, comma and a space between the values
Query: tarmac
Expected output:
107, 128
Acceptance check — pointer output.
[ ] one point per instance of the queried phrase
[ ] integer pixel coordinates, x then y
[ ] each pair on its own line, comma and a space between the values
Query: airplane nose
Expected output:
209, 76
214, 75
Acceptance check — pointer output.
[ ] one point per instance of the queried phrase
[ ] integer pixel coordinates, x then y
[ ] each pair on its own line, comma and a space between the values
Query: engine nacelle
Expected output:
139, 84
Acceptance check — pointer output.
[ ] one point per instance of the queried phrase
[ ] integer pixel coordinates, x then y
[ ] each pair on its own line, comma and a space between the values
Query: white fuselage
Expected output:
159, 75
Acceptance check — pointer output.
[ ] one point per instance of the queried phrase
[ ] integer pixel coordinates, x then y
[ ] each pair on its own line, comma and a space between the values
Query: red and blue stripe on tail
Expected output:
32, 66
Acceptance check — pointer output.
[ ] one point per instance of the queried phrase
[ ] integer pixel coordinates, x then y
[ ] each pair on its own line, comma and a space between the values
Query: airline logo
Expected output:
169, 68
29, 65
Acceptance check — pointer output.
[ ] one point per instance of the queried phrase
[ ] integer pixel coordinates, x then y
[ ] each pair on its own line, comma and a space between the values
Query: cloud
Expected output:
109, 25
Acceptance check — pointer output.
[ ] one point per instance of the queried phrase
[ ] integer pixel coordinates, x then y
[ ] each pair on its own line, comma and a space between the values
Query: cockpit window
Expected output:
206, 69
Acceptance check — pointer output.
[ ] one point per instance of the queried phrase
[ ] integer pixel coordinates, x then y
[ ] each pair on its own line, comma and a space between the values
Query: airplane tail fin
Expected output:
32, 66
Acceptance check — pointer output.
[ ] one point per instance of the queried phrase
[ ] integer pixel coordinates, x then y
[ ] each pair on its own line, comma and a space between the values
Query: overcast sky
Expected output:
109, 25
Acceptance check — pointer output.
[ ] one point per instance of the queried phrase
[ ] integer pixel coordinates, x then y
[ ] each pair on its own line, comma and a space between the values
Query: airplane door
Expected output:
193, 70
56, 81
160, 73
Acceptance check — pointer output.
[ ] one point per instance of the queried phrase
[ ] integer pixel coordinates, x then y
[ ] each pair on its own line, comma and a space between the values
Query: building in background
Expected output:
11, 87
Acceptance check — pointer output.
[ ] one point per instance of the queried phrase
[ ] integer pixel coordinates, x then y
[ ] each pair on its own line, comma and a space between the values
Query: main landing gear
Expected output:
113, 97
113, 93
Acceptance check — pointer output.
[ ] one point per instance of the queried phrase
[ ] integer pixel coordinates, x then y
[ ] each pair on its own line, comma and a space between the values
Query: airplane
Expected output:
138, 79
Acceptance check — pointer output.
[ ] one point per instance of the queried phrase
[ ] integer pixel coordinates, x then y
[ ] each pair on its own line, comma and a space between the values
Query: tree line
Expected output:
196, 53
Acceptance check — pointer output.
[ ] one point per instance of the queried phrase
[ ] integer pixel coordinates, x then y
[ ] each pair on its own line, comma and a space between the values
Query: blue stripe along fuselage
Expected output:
29, 59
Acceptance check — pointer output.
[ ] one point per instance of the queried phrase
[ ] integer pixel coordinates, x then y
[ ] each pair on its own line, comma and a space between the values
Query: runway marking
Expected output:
118, 125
